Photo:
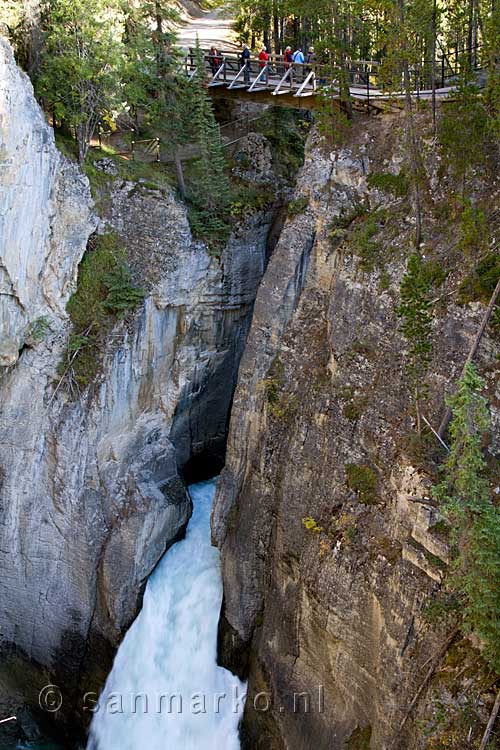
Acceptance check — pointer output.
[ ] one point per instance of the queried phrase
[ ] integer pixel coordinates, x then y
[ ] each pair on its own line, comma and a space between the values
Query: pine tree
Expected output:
465, 497
415, 313
210, 191
81, 64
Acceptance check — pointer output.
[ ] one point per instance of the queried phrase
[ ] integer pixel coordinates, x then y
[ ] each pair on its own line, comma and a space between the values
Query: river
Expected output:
165, 688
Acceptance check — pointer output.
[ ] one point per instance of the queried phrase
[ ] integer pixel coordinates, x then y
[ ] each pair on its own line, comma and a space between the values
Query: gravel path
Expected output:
211, 27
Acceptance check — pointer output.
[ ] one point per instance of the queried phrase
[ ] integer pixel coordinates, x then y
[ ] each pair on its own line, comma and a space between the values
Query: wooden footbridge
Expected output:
297, 83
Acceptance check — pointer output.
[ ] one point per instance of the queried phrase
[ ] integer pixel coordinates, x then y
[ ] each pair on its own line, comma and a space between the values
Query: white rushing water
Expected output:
168, 657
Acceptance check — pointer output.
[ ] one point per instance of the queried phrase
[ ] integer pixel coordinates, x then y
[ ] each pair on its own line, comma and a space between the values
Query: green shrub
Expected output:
311, 525
285, 129
247, 198
415, 313
473, 231
298, 206
36, 330
363, 242
355, 408
210, 227
463, 131
362, 479
440, 606
479, 285
104, 293
384, 282
397, 184
434, 273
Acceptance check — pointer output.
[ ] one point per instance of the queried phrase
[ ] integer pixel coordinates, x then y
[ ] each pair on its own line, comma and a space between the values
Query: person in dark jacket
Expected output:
245, 61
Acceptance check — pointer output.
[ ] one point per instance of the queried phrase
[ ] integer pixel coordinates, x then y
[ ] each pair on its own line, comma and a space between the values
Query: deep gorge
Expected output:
106, 484
281, 363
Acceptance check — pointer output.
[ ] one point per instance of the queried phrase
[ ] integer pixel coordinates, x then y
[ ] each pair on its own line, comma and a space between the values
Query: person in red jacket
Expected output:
263, 61
263, 57
214, 59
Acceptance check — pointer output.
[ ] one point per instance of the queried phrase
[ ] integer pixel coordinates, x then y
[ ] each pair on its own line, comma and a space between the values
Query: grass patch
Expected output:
104, 294
362, 479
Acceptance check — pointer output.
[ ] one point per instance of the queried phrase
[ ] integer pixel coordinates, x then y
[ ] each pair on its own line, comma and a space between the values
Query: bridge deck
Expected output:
277, 78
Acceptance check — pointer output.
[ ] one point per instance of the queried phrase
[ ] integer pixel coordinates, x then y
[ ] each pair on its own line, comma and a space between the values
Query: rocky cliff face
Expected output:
45, 214
330, 545
92, 489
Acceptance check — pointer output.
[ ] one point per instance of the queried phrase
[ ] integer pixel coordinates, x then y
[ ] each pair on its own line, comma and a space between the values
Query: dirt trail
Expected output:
212, 27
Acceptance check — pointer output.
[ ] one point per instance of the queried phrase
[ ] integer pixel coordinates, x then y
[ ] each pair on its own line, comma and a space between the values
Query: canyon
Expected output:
288, 350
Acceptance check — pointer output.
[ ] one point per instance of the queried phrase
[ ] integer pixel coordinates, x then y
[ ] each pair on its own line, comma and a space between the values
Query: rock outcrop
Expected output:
92, 490
329, 541
45, 214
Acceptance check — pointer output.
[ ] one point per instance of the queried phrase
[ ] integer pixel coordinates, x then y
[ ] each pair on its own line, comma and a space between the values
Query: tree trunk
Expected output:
81, 141
412, 135
276, 33
433, 71
266, 23
180, 174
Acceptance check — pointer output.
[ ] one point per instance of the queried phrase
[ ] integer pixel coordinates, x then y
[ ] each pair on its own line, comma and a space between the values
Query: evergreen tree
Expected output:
464, 493
415, 313
210, 191
81, 66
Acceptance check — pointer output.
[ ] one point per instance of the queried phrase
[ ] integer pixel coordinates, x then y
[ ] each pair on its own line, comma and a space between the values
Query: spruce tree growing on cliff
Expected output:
210, 192
464, 493
416, 324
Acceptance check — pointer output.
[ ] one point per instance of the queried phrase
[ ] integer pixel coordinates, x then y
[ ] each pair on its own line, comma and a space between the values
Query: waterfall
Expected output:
165, 688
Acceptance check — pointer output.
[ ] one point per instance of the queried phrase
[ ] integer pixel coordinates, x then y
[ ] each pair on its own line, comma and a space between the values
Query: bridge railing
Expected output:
365, 77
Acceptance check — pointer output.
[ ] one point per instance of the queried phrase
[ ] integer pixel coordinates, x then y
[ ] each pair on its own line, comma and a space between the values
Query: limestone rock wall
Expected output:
44, 213
328, 547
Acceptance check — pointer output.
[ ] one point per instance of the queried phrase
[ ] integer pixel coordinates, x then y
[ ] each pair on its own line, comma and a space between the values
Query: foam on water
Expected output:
171, 649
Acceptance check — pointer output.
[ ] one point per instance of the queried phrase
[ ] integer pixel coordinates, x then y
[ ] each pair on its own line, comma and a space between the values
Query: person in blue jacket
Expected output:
298, 59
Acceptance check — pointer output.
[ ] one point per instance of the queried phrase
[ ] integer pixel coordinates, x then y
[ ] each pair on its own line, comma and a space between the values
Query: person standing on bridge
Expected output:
264, 59
245, 61
288, 58
298, 60
214, 59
